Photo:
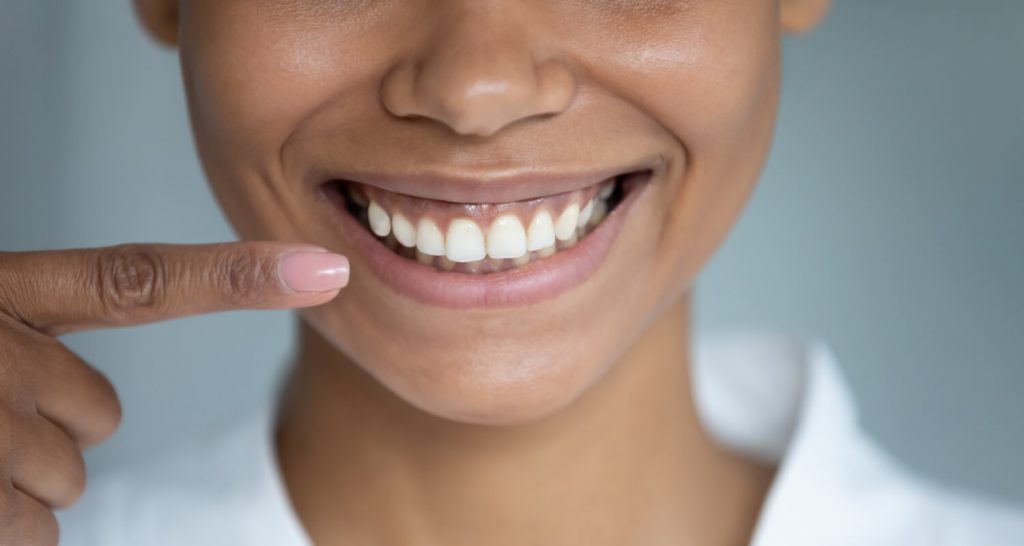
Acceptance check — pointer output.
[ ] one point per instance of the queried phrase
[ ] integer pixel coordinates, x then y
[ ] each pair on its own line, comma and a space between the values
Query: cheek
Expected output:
711, 80
250, 79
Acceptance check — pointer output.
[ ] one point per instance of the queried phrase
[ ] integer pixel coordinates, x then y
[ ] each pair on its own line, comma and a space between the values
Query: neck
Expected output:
627, 463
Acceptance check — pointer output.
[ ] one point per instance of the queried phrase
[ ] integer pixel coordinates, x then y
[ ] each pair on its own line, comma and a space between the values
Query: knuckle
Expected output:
46, 531
24, 522
105, 411
129, 277
52, 462
72, 476
108, 419
246, 274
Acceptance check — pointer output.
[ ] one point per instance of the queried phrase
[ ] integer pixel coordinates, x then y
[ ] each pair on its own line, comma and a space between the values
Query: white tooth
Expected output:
506, 238
600, 211
429, 239
522, 260
547, 251
565, 227
586, 213
568, 243
542, 231
607, 191
380, 223
405, 232
465, 241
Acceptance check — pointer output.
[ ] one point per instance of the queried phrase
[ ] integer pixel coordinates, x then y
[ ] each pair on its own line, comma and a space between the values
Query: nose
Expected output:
477, 75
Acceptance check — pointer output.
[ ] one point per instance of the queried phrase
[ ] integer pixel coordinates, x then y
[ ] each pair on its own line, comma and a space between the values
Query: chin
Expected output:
493, 389
452, 370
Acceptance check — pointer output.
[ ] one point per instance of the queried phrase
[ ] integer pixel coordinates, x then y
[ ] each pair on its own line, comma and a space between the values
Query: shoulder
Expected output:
790, 404
212, 491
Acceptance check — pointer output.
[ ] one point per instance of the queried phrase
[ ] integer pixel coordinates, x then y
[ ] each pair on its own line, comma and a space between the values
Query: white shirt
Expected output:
768, 395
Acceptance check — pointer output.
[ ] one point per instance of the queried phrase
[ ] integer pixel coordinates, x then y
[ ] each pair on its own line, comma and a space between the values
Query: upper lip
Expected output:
502, 187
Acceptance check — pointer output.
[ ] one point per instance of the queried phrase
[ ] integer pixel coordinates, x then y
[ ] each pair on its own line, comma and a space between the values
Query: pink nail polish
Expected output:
314, 271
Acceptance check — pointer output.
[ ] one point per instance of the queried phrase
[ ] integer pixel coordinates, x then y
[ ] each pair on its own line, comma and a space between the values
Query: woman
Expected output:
525, 193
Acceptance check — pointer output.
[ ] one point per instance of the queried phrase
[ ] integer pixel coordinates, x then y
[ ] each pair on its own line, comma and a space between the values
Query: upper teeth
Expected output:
429, 239
541, 233
567, 223
380, 223
586, 213
405, 232
506, 237
465, 241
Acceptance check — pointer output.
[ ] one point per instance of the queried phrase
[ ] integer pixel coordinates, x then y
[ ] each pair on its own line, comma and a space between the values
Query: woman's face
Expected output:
455, 127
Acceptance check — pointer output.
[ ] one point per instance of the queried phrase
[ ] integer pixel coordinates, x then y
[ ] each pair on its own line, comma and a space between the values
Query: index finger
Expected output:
61, 291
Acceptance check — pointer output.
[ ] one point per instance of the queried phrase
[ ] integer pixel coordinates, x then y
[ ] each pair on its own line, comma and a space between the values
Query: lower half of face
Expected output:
520, 191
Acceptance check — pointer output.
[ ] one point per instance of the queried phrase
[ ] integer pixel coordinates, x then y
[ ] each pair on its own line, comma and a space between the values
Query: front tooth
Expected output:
380, 223
542, 232
607, 191
586, 213
567, 222
405, 232
429, 239
506, 238
465, 242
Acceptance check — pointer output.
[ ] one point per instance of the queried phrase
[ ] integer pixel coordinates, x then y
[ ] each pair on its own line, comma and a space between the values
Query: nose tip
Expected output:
478, 90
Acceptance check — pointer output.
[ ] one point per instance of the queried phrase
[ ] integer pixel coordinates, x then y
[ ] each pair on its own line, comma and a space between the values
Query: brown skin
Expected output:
569, 422
52, 404
281, 89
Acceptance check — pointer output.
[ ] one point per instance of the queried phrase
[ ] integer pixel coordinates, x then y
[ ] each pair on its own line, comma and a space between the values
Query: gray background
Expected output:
889, 221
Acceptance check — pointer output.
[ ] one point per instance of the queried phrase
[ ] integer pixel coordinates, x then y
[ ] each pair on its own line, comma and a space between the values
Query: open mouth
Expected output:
483, 238
469, 252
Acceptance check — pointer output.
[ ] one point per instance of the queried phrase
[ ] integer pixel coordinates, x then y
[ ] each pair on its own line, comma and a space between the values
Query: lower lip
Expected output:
532, 283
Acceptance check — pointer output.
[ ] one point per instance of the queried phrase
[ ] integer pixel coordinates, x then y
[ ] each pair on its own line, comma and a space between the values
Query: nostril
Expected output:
478, 88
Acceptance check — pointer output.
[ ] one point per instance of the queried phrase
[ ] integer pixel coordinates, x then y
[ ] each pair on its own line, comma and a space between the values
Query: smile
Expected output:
481, 238
474, 254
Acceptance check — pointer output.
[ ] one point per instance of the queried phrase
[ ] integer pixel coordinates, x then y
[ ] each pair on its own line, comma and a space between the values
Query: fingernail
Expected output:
314, 271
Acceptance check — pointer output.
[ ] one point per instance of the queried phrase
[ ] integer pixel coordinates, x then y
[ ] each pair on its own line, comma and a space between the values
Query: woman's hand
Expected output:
53, 405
